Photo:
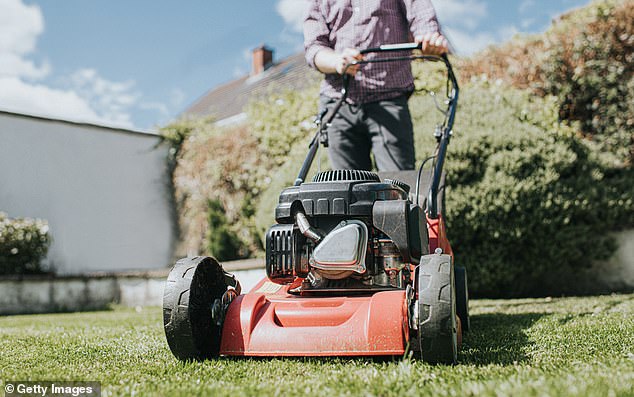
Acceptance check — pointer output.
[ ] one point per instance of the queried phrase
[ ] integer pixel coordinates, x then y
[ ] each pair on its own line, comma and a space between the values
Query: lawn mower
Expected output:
358, 264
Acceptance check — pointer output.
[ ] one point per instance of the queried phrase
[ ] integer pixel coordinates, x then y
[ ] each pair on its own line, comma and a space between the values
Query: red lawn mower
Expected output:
358, 264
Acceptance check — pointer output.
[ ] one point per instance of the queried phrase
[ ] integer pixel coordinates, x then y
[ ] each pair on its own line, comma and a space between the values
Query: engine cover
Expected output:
342, 251
339, 193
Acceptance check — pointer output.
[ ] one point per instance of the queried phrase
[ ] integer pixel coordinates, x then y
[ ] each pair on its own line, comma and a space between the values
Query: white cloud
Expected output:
18, 96
85, 95
20, 25
112, 99
467, 43
14, 65
466, 13
507, 32
461, 20
528, 22
293, 12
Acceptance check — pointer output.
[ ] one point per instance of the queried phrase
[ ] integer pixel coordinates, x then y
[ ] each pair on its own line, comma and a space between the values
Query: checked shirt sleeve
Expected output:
421, 17
316, 32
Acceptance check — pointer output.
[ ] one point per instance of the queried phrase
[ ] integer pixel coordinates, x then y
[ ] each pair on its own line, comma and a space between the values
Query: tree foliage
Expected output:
586, 60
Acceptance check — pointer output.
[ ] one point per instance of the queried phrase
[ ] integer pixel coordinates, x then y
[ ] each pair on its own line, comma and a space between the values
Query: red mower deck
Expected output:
271, 322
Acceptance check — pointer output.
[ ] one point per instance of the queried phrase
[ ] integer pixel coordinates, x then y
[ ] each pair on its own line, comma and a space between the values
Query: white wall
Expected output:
103, 191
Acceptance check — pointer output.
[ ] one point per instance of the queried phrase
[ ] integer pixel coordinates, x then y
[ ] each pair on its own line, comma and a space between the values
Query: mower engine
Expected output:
347, 231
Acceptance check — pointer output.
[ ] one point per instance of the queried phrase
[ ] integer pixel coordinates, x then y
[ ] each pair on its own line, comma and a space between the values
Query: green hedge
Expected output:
281, 120
214, 172
24, 243
529, 206
222, 242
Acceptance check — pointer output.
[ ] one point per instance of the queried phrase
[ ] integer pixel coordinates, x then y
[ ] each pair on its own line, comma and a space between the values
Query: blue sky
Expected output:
139, 63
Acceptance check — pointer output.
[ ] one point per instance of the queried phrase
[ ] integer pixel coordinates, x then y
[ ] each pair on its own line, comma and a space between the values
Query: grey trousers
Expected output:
383, 128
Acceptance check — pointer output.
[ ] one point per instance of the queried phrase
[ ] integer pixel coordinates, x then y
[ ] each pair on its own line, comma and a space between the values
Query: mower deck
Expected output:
272, 322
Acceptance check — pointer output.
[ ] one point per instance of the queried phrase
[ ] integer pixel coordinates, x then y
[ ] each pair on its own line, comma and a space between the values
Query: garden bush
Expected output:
213, 164
586, 60
24, 244
282, 119
231, 166
529, 205
222, 242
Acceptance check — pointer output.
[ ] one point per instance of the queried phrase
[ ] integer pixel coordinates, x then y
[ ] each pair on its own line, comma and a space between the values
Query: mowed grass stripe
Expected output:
531, 347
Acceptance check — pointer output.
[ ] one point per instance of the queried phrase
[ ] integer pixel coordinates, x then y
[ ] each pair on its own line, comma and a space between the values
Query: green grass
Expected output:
534, 347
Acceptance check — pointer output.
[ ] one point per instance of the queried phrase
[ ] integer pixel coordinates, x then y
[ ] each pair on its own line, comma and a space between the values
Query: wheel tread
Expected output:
190, 333
436, 305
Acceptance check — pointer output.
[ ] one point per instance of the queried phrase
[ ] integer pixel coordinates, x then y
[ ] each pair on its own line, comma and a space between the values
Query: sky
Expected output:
139, 63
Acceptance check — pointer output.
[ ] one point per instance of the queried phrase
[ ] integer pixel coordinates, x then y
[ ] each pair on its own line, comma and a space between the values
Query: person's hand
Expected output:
346, 57
433, 43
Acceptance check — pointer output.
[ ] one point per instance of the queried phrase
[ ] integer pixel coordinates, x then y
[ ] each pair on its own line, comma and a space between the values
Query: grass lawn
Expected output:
531, 347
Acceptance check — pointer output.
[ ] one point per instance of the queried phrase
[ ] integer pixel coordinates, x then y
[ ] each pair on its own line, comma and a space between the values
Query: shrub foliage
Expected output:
586, 60
24, 243
222, 242
529, 206
215, 165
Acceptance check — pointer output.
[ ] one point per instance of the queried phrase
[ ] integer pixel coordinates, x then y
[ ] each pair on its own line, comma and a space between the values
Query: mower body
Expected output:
358, 264
355, 313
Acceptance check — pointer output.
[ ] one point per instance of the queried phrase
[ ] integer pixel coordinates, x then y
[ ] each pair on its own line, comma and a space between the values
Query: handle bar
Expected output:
393, 47
432, 205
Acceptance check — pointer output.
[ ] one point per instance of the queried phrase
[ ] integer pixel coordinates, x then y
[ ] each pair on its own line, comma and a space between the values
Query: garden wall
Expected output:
104, 192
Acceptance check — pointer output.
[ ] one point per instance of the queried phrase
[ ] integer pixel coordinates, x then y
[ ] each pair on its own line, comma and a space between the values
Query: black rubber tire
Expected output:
190, 290
462, 298
437, 328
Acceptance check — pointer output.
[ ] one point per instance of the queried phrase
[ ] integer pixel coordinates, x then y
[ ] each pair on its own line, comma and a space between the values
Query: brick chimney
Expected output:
262, 59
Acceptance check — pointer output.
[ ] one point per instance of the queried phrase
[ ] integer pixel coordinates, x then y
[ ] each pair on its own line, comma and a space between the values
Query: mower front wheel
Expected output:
437, 325
192, 288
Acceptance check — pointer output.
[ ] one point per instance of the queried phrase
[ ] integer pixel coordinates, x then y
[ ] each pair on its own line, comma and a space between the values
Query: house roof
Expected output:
229, 100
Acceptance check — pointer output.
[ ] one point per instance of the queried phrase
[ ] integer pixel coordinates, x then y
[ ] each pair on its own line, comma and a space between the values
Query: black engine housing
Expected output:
335, 196
331, 195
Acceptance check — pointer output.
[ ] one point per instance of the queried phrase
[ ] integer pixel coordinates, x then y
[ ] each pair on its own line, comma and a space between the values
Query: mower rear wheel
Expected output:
192, 287
462, 298
437, 325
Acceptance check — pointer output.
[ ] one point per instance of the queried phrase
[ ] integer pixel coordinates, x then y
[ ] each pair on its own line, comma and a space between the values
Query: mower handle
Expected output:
393, 47
443, 139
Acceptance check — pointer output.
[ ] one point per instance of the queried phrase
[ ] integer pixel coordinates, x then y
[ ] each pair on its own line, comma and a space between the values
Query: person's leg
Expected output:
348, 141
390, 127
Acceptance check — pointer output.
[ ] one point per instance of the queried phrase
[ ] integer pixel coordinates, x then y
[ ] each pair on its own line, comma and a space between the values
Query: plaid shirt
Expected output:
360, 24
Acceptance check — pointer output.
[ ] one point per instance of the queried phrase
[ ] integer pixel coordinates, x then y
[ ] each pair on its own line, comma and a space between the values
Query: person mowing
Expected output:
375, 118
